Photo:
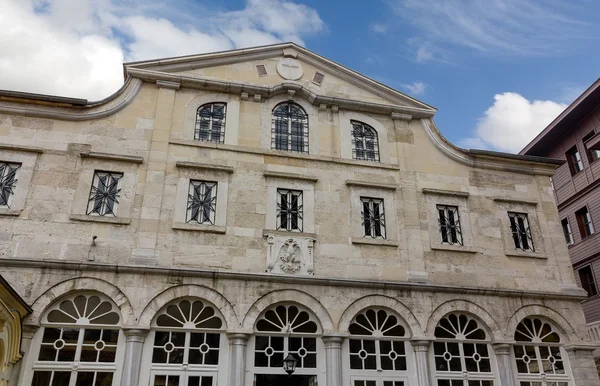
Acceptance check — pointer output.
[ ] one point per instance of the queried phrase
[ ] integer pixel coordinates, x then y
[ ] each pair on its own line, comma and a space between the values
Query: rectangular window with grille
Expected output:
567, 231
584, 222
289, 210
449, 225
588, 282
104, 194
521, 233
8, 181
202, 202
373, 217
574, 160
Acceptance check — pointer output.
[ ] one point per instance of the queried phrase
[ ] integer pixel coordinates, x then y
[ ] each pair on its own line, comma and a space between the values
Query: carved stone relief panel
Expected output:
290, 255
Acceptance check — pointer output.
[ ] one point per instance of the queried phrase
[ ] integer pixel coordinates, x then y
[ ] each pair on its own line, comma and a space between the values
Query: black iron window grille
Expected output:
365, 144
289, 210
449, 225
202, 202
289, 131
104, 194
373, 217
210, 122
521, 233
8, 181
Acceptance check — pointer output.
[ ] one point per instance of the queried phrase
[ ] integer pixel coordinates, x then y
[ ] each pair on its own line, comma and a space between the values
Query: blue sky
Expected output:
497, 70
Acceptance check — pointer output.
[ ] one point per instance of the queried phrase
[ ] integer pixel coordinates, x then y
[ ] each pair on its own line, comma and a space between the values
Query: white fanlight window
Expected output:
539, 356
378, 349
281, 330
79, 343
462, 354
187, 344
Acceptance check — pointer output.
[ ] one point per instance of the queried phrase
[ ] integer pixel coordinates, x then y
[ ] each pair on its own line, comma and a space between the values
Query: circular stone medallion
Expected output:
290, 69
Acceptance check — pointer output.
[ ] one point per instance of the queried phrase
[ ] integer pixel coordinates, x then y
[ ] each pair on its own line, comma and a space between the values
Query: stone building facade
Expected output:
222, 211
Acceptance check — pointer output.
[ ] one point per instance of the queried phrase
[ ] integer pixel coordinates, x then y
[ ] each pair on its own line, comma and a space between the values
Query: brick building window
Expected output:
202, 202
584, 222
104, 194
574, 160
449, 224
521, 233
365, 145
8, 180
210, 122
588, 282
567, 231
373, 218
289, 210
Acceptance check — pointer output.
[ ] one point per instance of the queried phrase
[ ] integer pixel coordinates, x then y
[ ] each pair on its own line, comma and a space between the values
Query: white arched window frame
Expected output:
186, 346
539, 358
289, 128
377, 351
284, 329
365, 142
462, 355
210, 122
80, 343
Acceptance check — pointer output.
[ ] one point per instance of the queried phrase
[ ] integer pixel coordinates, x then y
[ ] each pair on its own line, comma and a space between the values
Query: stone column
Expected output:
238, 343
134, 343
333, 359
421, 347
505, 368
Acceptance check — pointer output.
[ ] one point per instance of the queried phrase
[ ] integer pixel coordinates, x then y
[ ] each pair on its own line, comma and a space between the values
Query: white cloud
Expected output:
496, 27
512, 122
379, 28
415, 88
76, 47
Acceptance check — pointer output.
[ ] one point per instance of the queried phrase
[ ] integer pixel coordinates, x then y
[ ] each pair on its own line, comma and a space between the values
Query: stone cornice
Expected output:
444, 192
63, 265
512, 200
55, 108
284, 154
22, 148
113, 157
204, 166
283, 88
371, 184
290, 176
488, 160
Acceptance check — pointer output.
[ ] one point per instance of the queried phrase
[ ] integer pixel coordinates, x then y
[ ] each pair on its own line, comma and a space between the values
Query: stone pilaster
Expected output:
134, 343
238, 342
421, 347
582, 363
505, 368
27, 333
333, 359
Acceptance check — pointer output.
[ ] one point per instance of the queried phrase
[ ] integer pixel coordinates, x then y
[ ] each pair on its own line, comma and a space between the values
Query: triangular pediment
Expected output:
284, 66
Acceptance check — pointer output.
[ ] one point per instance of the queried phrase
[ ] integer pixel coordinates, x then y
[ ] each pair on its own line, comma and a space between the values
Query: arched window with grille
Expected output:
462, 353
378, 349
289, 131
210, 122
286, 329
186, 344
539, 356
365, 144
80, 343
